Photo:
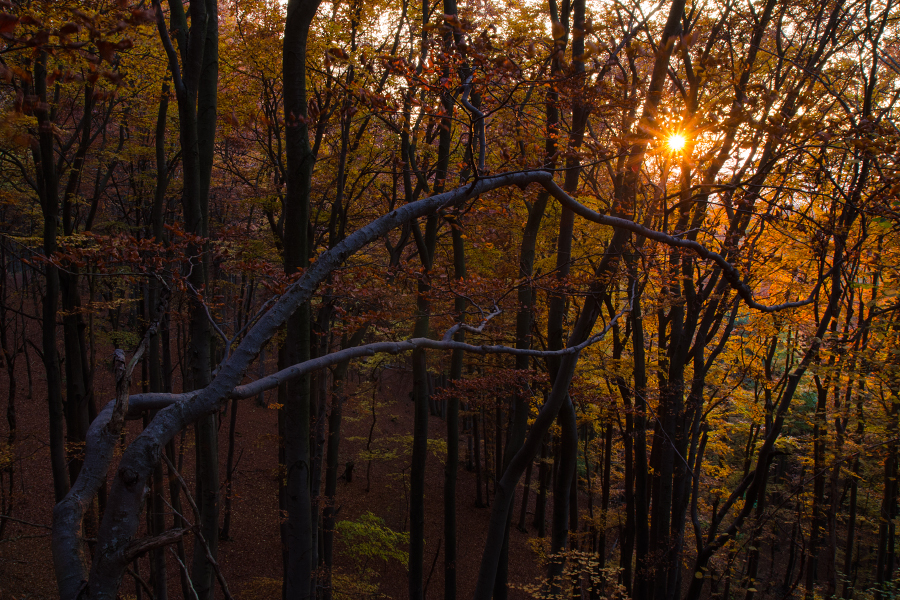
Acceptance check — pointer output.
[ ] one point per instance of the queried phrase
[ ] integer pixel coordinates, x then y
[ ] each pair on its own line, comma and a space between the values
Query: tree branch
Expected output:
139, 547
196, 528
478, 116
122, 519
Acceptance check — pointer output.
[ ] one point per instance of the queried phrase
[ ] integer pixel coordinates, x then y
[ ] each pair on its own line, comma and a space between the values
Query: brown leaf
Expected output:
69, 28
339, 53
8, 22
690, 38
38, 39
112, 76
29, 20
107, 50
139, 16
559, 32
21, 74
22, 140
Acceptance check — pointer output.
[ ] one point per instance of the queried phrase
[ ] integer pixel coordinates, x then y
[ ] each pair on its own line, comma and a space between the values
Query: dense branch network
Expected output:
140, 458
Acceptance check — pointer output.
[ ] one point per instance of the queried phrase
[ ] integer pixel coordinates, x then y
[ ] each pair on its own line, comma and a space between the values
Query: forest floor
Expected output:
251, 559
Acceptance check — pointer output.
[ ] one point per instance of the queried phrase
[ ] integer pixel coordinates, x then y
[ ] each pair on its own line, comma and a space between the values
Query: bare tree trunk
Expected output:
540, 509
523, 513
419, 448
479, 499
509, 481
48, 187
641, 474
604, 498
178, 521
225, 533
338, 396
847, 589
884, 569
561, 498
10, 352
298, 531
451, 465
818, 498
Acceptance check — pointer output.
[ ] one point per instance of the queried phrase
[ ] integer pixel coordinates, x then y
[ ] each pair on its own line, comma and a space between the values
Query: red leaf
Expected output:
107, 50
139, 16
8, 22
69, 28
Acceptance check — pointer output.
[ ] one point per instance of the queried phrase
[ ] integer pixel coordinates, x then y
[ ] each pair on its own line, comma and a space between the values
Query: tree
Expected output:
688, 210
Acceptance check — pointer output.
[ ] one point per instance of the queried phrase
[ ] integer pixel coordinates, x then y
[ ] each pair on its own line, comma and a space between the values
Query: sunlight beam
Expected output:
676, 142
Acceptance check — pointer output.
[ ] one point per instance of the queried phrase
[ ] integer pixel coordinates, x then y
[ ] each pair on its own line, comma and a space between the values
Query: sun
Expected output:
676, 142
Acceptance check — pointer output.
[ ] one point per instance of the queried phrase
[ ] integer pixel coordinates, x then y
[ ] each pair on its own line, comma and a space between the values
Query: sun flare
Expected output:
676, 142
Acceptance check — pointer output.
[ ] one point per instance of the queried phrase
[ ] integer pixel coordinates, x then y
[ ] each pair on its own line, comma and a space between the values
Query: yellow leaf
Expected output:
559, 31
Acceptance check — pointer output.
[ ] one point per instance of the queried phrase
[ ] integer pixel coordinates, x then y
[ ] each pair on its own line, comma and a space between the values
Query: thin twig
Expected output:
24, 537
15, 520
450, 332
259, 313
211, 320
140, 580
186, 573
196, 528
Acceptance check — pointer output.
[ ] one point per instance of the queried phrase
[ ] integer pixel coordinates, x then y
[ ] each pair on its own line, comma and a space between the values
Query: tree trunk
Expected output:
518, 463
523, 513
561, 499
48, 186
451, 465
540, 509
298, 530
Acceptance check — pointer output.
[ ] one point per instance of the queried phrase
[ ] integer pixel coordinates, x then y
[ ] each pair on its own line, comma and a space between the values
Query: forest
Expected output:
529, 299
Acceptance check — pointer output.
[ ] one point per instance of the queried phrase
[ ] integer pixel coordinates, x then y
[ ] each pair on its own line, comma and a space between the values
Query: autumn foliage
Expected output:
639, 262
